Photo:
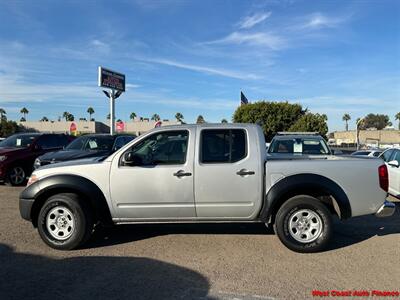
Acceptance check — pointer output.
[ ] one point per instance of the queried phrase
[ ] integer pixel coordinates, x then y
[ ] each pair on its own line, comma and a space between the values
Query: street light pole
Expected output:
112, 112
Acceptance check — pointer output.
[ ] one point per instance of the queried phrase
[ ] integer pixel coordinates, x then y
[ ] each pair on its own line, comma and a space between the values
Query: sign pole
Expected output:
112, 112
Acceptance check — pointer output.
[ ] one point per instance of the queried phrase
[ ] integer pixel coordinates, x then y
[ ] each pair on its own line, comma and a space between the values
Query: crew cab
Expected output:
204, 173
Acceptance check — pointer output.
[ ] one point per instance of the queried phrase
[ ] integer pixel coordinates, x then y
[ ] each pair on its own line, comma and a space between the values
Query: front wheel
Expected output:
304, 224
65, 222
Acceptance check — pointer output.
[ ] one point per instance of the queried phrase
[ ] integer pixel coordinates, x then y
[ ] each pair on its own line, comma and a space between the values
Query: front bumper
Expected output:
25, 208
386, 210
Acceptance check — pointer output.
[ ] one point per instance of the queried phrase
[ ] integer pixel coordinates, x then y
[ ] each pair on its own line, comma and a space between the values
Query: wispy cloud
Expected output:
269, 40
318, 20
250, 21
205, 69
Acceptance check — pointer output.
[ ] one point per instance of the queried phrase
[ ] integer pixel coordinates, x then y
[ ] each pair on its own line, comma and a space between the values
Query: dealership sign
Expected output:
111, 79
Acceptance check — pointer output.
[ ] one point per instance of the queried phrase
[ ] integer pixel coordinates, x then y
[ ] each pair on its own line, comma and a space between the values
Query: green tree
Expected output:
397, 117
310, 122
119, 120
90, 111
378, 121
24, 111
132, 116
271, 116
65, 115
179, 117
82, 119
108, 116
346, 118
3, 114
224, 121
200, 120
44, 119
22, 119
156, 117
70, 117
8, 128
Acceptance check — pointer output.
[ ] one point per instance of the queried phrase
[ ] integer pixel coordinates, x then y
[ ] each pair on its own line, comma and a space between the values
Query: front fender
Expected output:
41, 190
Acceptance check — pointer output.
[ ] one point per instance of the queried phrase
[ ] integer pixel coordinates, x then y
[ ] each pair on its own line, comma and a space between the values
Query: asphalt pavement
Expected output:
194, 261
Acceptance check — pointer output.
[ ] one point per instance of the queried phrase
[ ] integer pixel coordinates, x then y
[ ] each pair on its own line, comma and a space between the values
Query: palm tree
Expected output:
22, 119
90, 111
397, 117
156, 117
179, 117
200, 120
108, 116
132, 116
224, 121
44, 119
346, 118
24, 111
2, 114
66, 115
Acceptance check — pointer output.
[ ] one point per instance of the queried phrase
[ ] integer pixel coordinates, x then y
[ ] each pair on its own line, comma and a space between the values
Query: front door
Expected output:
394, 174
159, 183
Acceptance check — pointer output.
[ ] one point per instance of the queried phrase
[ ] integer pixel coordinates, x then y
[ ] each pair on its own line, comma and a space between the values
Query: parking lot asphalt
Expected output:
194, 261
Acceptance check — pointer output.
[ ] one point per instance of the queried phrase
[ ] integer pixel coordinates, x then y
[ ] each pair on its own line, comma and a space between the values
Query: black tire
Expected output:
14, 175
77, 232
297, 210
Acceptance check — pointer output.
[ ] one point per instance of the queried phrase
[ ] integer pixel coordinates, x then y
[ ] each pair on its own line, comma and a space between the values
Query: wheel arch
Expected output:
323, 188
87, 191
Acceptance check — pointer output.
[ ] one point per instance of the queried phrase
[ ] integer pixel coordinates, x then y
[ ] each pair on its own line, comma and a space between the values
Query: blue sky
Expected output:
195, 57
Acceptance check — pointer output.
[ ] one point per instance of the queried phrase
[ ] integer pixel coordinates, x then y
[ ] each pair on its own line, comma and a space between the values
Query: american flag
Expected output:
243, 99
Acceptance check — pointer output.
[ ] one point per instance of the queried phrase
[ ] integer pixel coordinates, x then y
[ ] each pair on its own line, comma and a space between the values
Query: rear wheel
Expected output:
16, 176
304, 224
65, 222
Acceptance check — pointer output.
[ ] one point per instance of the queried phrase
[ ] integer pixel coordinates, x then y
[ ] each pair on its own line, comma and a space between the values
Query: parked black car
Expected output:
87, 146
19, 151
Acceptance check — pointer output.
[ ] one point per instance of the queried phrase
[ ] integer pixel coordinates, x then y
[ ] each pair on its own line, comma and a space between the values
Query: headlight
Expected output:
3, 158
32, 179
37, 163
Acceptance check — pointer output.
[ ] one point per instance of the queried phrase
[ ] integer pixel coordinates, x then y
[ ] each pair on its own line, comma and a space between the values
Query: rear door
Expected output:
228, 173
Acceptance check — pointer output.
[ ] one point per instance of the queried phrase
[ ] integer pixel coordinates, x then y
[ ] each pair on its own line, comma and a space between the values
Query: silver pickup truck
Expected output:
204, 173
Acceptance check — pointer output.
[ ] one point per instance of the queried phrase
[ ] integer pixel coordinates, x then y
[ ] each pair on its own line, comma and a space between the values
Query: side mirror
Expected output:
36, 147
131, 159
393, 163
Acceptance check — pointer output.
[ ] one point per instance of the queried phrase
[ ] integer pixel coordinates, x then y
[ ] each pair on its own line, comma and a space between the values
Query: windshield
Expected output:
92, 143
18, 141
299, 146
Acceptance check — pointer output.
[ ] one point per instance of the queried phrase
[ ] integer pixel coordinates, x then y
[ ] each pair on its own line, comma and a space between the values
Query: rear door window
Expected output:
223, 145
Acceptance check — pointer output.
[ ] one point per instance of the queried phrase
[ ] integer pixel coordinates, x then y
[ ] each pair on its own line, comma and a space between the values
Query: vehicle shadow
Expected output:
107, 236
28, 276
358, 229
346, 233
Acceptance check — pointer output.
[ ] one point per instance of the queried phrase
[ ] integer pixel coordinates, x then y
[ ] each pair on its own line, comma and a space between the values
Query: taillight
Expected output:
383, 178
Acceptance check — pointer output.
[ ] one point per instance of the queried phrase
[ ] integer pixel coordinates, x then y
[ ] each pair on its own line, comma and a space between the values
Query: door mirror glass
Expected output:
131, 159
393, 163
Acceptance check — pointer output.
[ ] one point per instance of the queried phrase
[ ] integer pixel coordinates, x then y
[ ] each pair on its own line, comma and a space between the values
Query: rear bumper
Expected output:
386, 210
25, 208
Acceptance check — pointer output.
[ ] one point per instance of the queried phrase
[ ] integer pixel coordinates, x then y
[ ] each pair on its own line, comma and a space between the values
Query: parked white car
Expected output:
392, 160
369, 152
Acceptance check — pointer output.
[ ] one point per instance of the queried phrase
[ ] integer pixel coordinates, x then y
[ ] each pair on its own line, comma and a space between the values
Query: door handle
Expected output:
244, 172
182, 173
